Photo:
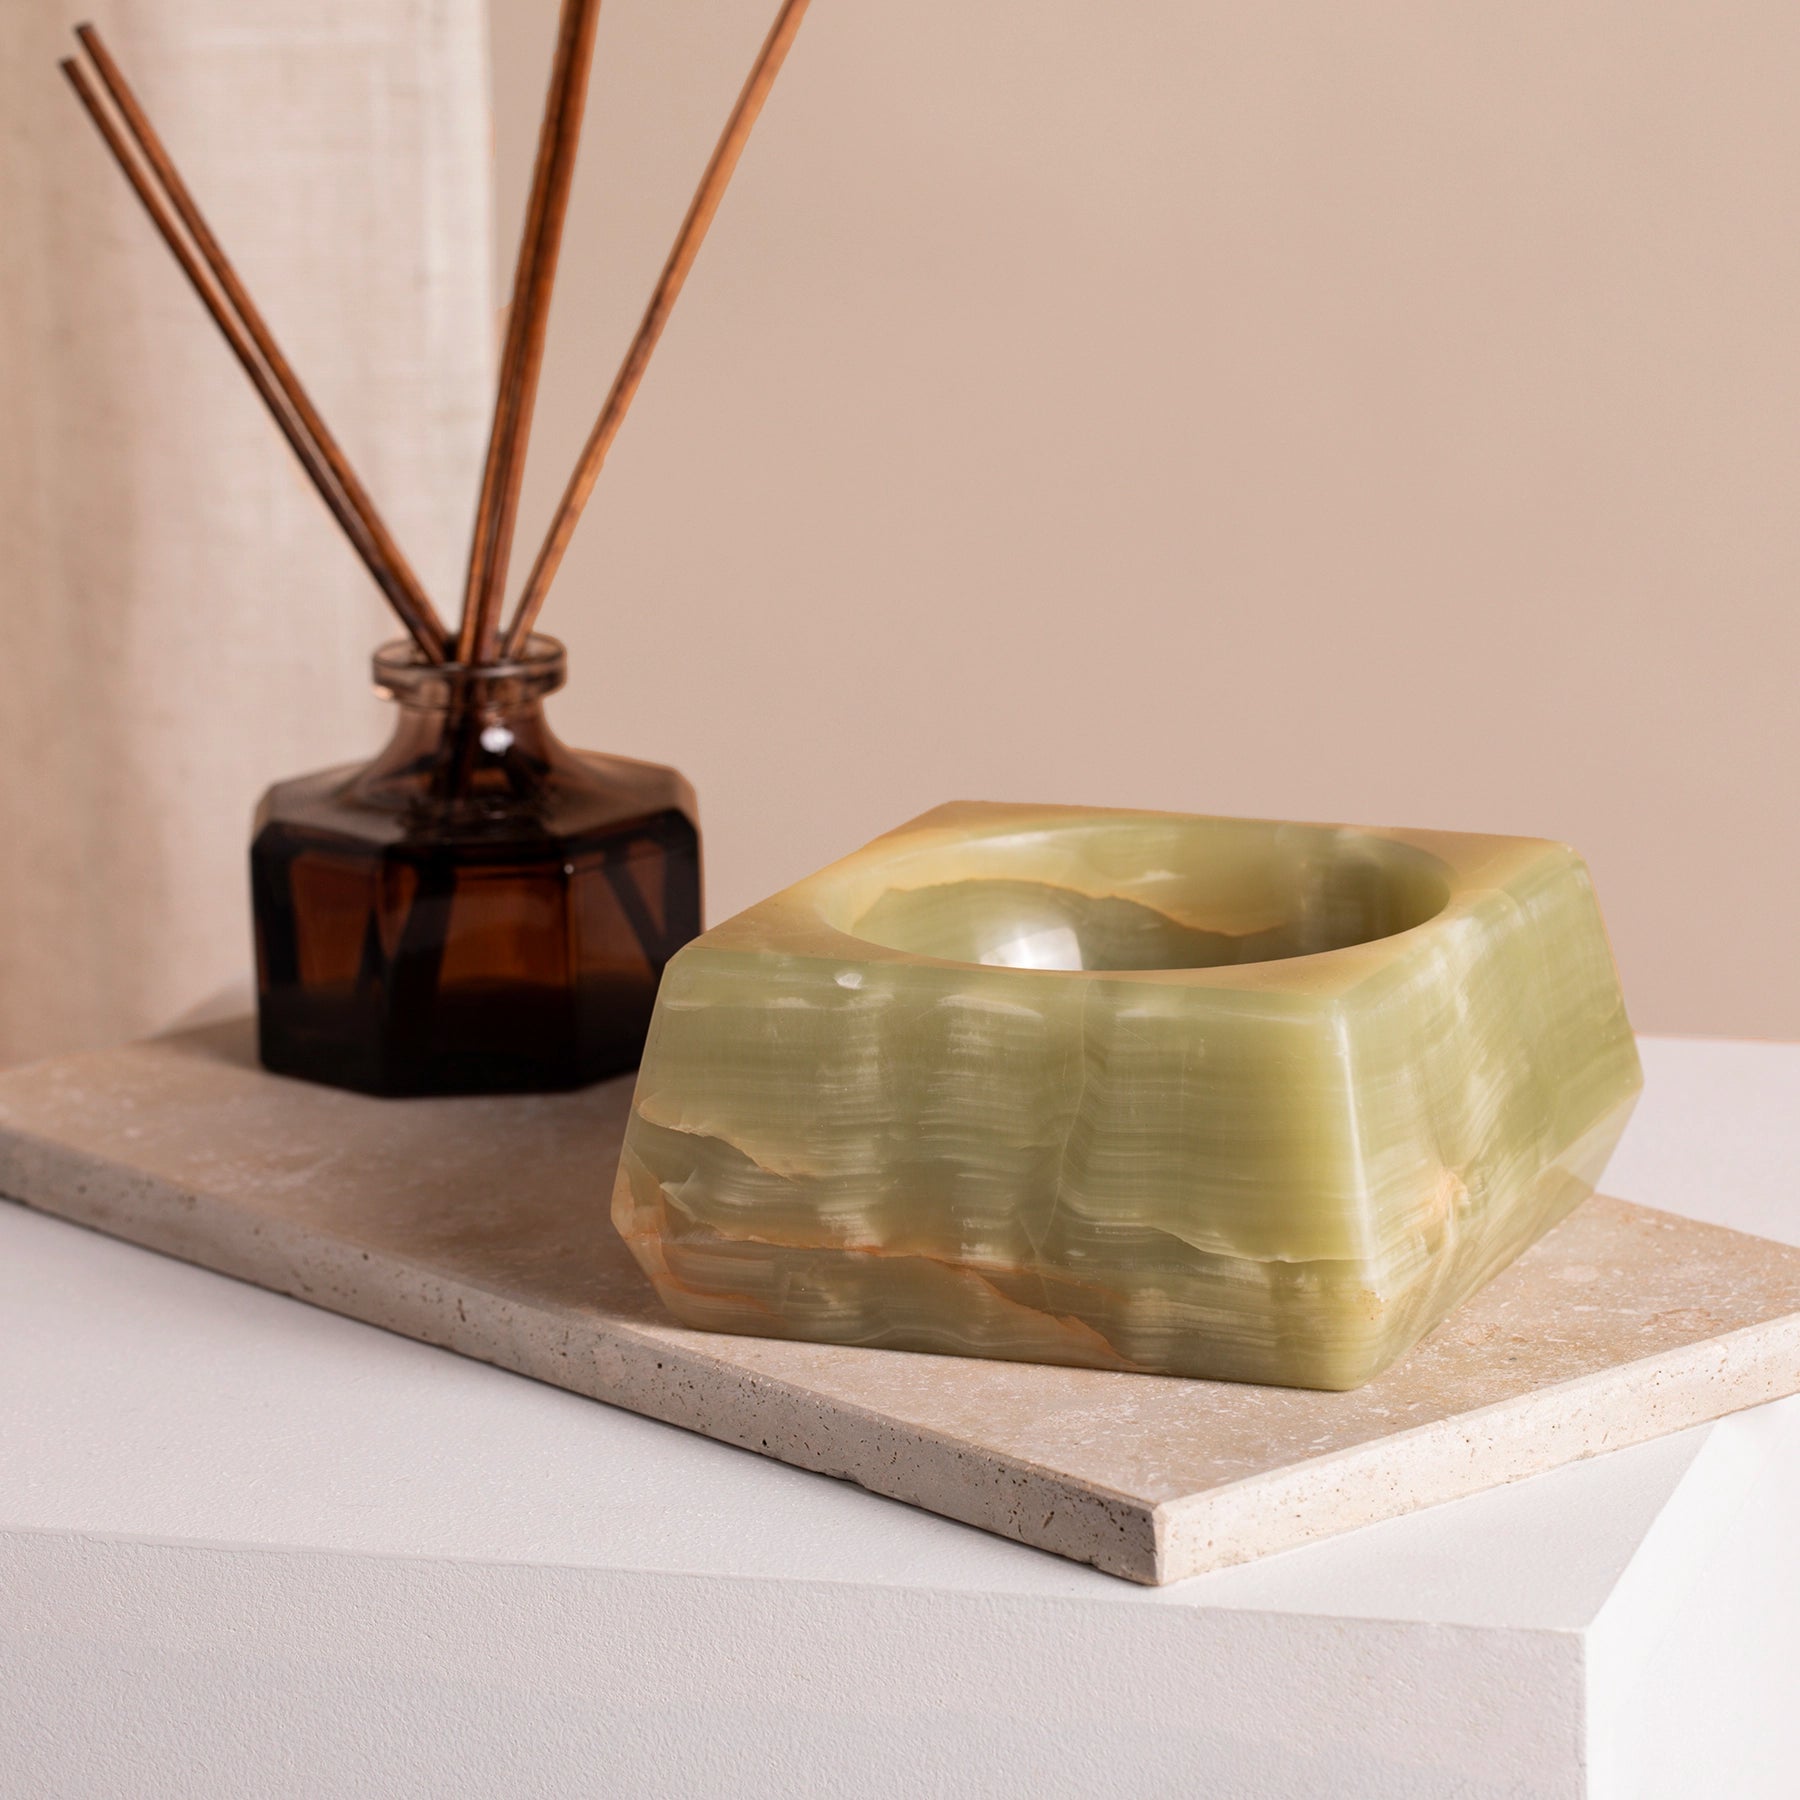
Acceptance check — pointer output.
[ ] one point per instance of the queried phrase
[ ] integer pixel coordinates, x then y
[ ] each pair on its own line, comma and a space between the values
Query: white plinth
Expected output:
247, 1547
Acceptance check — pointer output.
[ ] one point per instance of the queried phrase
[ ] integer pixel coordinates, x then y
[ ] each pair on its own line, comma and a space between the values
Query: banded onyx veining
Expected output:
1224, 1098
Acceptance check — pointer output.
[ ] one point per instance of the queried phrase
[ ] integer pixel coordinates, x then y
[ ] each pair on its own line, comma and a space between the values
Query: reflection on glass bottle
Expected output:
480, 909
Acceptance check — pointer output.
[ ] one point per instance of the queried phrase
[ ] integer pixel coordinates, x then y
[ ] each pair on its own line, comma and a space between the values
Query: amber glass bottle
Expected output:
480, 909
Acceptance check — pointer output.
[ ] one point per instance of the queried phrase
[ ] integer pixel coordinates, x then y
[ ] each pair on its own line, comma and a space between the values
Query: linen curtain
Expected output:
180, 621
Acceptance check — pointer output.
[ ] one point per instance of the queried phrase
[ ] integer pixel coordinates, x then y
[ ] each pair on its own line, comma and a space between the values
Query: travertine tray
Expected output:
482, 1225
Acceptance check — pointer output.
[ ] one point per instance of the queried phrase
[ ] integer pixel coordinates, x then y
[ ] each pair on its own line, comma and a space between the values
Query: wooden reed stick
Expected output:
426, 630
522, 359
668, 287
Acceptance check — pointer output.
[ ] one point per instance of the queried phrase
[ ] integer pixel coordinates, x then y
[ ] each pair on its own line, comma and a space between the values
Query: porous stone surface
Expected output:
472, 1223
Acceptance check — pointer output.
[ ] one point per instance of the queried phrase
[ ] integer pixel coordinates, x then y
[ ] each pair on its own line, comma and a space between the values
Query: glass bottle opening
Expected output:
498, 687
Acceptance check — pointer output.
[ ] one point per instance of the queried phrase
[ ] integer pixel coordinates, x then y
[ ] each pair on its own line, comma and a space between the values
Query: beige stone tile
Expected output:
482, 1225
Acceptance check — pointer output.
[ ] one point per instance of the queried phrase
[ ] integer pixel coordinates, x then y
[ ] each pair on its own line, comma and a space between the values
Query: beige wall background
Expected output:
1374, 412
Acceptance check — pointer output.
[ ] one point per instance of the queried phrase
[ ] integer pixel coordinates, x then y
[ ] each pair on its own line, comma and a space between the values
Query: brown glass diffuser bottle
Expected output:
480, 909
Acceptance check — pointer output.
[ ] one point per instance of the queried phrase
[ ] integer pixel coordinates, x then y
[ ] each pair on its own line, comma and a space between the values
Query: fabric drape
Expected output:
180, 622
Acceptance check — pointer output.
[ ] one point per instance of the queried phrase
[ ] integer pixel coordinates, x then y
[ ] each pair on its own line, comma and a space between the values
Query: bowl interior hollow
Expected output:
1141, 893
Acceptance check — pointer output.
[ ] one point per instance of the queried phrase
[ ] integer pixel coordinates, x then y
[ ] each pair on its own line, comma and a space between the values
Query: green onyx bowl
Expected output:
1225, 1098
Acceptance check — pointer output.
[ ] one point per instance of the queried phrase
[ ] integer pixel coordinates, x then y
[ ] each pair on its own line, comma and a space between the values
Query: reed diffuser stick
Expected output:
421, 621
662, 300
522, 359
177, 193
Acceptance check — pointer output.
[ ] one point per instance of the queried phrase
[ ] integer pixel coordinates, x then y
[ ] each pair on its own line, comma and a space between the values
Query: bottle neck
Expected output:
466, 739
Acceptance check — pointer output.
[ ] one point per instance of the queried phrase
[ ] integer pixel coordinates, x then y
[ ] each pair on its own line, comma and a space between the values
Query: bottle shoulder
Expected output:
564, 798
